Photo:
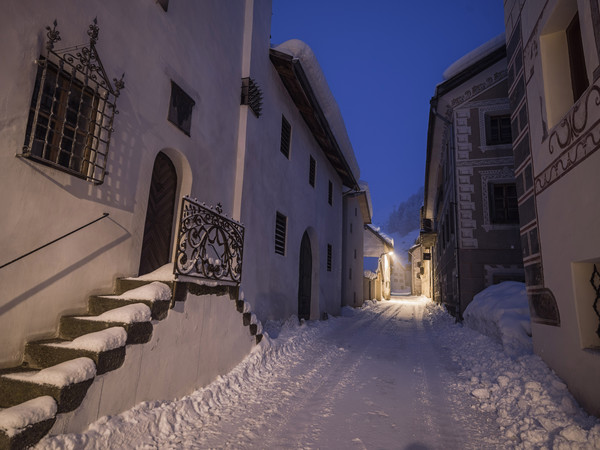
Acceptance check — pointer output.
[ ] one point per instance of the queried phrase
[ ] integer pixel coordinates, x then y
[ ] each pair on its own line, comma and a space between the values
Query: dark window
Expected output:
354, 253
180, 109
280, 232
503, 203
312, 171
350, 227
355, 212
579, 79
164, 4
499, 130
329, 251
330, 194
350, 274
65, 132
286, 134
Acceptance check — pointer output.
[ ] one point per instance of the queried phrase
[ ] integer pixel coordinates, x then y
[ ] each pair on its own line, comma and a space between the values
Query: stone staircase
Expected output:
56, 373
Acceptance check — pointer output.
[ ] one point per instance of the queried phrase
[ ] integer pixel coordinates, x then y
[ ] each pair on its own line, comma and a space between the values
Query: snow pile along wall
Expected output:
501, 311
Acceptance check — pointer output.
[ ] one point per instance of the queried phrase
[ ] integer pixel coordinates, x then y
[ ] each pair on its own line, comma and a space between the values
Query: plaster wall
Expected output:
274, 183
196, 44
210, 340
352, 254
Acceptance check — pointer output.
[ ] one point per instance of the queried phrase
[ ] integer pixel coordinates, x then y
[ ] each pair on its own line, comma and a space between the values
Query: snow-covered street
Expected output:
396, 374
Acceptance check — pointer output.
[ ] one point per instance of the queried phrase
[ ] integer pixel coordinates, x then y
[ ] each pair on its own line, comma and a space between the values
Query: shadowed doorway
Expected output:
305, 278
156, 245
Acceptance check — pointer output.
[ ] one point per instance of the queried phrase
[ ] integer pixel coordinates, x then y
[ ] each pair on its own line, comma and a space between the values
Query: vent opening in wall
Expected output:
280, 233
330, 193
329, 257
286, 137
251, 95
312, 171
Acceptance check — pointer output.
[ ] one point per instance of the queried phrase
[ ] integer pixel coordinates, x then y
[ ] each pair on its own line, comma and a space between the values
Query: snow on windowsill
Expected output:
100, 341
138, 312
15, 419
60, 375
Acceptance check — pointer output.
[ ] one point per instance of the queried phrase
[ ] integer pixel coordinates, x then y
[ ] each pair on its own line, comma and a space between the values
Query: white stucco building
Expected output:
378, 259
110, 186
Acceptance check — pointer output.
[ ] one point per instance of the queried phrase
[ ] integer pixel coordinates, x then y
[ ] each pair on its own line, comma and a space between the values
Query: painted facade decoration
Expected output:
170, 141
469, 223
553, 53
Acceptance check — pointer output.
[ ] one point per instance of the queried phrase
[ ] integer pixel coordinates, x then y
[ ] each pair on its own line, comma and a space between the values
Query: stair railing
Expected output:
209, 244
55, 240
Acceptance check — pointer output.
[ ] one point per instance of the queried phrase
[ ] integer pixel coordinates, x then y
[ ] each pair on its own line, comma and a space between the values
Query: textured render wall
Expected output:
352, 288
561, 180
274, 183
40, 203
210, 340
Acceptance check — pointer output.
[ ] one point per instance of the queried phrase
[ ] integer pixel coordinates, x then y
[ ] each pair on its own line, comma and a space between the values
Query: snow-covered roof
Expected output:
474, 55
381, 235
302, 54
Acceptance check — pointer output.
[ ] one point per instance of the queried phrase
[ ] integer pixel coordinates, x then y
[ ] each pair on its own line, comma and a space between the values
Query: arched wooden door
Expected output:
305, 278
156, 245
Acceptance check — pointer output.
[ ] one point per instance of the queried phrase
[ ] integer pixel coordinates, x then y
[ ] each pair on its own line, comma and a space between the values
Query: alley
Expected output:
374, 378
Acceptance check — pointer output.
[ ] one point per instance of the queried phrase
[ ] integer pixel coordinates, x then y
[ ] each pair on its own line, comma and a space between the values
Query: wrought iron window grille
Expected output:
595, 282
209, 244
72, 109
252, 95
280, 233
286, 137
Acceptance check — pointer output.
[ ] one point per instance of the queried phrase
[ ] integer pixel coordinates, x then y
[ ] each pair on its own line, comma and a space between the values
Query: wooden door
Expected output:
305, 278
156, 245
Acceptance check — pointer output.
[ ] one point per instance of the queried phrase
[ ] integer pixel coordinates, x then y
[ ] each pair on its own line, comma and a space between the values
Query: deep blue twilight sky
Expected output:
382, 60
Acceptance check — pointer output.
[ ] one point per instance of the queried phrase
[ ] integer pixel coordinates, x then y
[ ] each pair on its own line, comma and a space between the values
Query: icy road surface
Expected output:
389, 375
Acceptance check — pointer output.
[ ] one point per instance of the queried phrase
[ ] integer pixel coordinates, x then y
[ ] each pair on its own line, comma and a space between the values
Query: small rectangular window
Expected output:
280, 233
350, 274
354, 253
180, 109
503, 203
499, 130
355, 212
312, 172
286, 135
351, 227
330, 193
329, 256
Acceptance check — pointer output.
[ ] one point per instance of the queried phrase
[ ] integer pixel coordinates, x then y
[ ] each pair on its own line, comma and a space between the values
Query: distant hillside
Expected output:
405, 217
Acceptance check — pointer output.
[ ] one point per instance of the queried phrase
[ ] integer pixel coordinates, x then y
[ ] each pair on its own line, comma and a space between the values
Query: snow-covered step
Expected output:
67, 383
156, 295
135, 318
106, 348
23, 425
126, 284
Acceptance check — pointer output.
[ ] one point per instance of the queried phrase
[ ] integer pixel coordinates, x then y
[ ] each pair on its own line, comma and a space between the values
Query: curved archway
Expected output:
308, 276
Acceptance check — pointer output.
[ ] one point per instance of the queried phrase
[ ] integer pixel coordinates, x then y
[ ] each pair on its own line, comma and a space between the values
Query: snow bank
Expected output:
154, 291
100, 341
531, 405
138, 312
13, 420
60, 375
501, 312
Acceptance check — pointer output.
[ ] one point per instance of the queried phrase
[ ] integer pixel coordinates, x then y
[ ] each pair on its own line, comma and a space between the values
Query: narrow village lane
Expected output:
377, 378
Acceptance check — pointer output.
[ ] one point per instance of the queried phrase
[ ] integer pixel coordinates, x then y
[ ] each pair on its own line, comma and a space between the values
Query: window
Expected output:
280, 233
329, 256
355, 212
286, 134
330, 193
350, 227
354, 253
350, 274
180, 109
563, 61
498, 130
312, 171
579, 79
503, 203
72, 110
251, 95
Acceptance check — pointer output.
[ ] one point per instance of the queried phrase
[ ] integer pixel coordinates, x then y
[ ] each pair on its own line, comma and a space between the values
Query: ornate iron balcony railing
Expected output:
209, 245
